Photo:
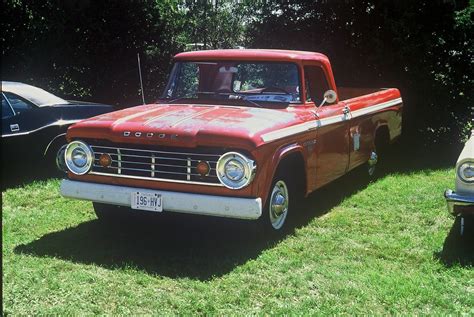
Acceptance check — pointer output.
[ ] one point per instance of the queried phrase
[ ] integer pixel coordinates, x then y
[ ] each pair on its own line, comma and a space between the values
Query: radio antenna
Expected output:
141, 80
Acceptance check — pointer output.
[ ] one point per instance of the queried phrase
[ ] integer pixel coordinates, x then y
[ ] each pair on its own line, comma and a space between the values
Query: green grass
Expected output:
384, 248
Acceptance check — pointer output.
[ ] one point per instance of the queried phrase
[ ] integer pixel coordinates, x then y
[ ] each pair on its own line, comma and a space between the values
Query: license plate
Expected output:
147, 201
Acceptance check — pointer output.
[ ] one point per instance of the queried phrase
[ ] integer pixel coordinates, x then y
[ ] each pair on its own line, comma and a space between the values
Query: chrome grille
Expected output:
160, 165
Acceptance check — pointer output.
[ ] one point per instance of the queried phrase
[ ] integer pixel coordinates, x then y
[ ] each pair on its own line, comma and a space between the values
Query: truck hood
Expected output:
186, 125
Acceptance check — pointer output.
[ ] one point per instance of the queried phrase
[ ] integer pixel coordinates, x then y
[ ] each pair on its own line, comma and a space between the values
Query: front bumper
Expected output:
232, 207
458, 204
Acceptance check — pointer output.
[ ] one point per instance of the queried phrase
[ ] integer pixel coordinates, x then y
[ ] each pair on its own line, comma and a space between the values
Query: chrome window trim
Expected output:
25, 100
8, 101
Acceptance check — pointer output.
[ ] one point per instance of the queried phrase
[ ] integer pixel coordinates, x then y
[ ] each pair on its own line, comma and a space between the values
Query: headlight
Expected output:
78, 157
466, 172
235, 171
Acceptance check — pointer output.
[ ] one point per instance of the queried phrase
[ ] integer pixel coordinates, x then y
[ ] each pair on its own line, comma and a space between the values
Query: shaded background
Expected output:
87, 49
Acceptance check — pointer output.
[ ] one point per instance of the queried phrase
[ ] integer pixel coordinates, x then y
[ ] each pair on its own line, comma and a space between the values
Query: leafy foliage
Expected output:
423, 47
87, 49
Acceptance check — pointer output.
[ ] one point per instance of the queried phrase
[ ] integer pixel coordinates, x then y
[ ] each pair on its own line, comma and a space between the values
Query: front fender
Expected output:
270, 166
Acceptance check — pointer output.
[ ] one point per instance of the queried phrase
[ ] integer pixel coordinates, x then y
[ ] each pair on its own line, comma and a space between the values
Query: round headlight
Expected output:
78, 157
234, 170
466, 172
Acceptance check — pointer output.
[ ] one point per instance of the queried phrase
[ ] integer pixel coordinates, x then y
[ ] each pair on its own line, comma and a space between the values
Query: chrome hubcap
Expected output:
372, 162
278, 205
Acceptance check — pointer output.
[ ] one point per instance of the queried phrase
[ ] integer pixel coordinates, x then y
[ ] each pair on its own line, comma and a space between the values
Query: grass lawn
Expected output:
383, 248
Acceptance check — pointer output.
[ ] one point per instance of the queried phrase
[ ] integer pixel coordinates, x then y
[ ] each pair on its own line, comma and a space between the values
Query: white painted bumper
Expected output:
232, 207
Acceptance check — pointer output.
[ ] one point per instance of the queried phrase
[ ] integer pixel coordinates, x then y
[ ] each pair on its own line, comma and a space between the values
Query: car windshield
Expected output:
252, 82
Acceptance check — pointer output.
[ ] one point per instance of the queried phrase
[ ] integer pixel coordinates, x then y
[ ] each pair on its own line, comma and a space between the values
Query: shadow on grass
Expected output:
16, 174
457, 249
177, 245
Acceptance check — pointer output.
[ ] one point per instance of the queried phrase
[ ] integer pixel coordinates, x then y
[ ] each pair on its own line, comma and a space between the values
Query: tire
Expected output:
50, 161
277, 212
375, 165
371, 165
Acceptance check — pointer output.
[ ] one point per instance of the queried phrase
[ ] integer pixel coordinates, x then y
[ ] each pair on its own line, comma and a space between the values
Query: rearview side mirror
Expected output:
330, 96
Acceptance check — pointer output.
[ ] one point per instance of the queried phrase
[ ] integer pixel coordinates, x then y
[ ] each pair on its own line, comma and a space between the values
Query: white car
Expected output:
461, 201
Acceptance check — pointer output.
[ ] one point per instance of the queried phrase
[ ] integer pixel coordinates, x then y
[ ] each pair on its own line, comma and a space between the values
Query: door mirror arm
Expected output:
330, 96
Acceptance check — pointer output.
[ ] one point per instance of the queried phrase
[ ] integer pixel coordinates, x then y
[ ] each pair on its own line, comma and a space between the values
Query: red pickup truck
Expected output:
237, 133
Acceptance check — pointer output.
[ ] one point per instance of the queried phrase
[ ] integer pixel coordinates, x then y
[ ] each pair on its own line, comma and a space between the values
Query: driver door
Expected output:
332, 141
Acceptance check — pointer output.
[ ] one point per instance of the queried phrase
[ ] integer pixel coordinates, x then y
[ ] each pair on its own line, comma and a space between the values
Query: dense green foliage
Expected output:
87, 49
425, 48
386, 248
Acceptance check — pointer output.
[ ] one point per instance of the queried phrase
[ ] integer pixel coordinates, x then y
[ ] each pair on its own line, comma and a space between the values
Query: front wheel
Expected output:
278, 204
276, 213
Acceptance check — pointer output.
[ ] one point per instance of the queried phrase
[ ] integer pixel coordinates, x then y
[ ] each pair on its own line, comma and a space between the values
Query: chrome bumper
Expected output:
454, 199
232, 207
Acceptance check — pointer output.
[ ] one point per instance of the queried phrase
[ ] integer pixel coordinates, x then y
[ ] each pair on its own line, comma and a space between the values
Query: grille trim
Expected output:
155, 165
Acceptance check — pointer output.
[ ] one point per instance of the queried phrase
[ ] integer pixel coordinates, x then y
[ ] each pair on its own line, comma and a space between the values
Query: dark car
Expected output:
34, 123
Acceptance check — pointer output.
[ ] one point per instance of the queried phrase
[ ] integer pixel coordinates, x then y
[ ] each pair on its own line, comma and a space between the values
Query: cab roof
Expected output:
252, 54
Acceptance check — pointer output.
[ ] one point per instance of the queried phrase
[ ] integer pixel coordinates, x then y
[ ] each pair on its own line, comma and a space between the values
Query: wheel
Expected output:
276, 215
51, 163
372, 164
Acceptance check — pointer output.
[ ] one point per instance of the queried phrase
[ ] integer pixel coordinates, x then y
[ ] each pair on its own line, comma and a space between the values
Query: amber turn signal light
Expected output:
105, 160
203, 168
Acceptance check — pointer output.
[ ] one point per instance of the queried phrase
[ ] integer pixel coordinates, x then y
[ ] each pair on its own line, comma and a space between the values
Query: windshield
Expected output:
254, 82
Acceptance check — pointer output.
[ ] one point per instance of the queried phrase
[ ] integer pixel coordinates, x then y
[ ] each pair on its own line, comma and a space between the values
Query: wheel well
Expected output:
382, 139
54, 144
294, 165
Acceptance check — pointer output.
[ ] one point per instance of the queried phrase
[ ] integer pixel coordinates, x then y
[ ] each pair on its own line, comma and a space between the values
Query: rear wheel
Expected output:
378, 155
371, 165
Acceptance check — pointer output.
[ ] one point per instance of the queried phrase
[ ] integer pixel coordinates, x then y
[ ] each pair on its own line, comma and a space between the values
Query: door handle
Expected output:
346, 110
14, 127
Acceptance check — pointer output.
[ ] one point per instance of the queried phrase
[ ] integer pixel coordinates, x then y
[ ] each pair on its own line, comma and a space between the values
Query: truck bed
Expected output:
346, 93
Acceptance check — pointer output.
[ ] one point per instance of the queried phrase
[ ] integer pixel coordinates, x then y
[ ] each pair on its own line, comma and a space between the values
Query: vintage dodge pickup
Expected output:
237, 133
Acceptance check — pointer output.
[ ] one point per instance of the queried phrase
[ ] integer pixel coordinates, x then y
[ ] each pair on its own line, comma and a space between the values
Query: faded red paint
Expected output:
241, 128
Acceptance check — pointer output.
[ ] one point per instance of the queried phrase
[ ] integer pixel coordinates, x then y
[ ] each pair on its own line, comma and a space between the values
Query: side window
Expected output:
6, 110
19, 104
316, 83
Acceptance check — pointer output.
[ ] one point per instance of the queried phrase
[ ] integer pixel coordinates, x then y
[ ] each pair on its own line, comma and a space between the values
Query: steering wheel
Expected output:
274, 89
